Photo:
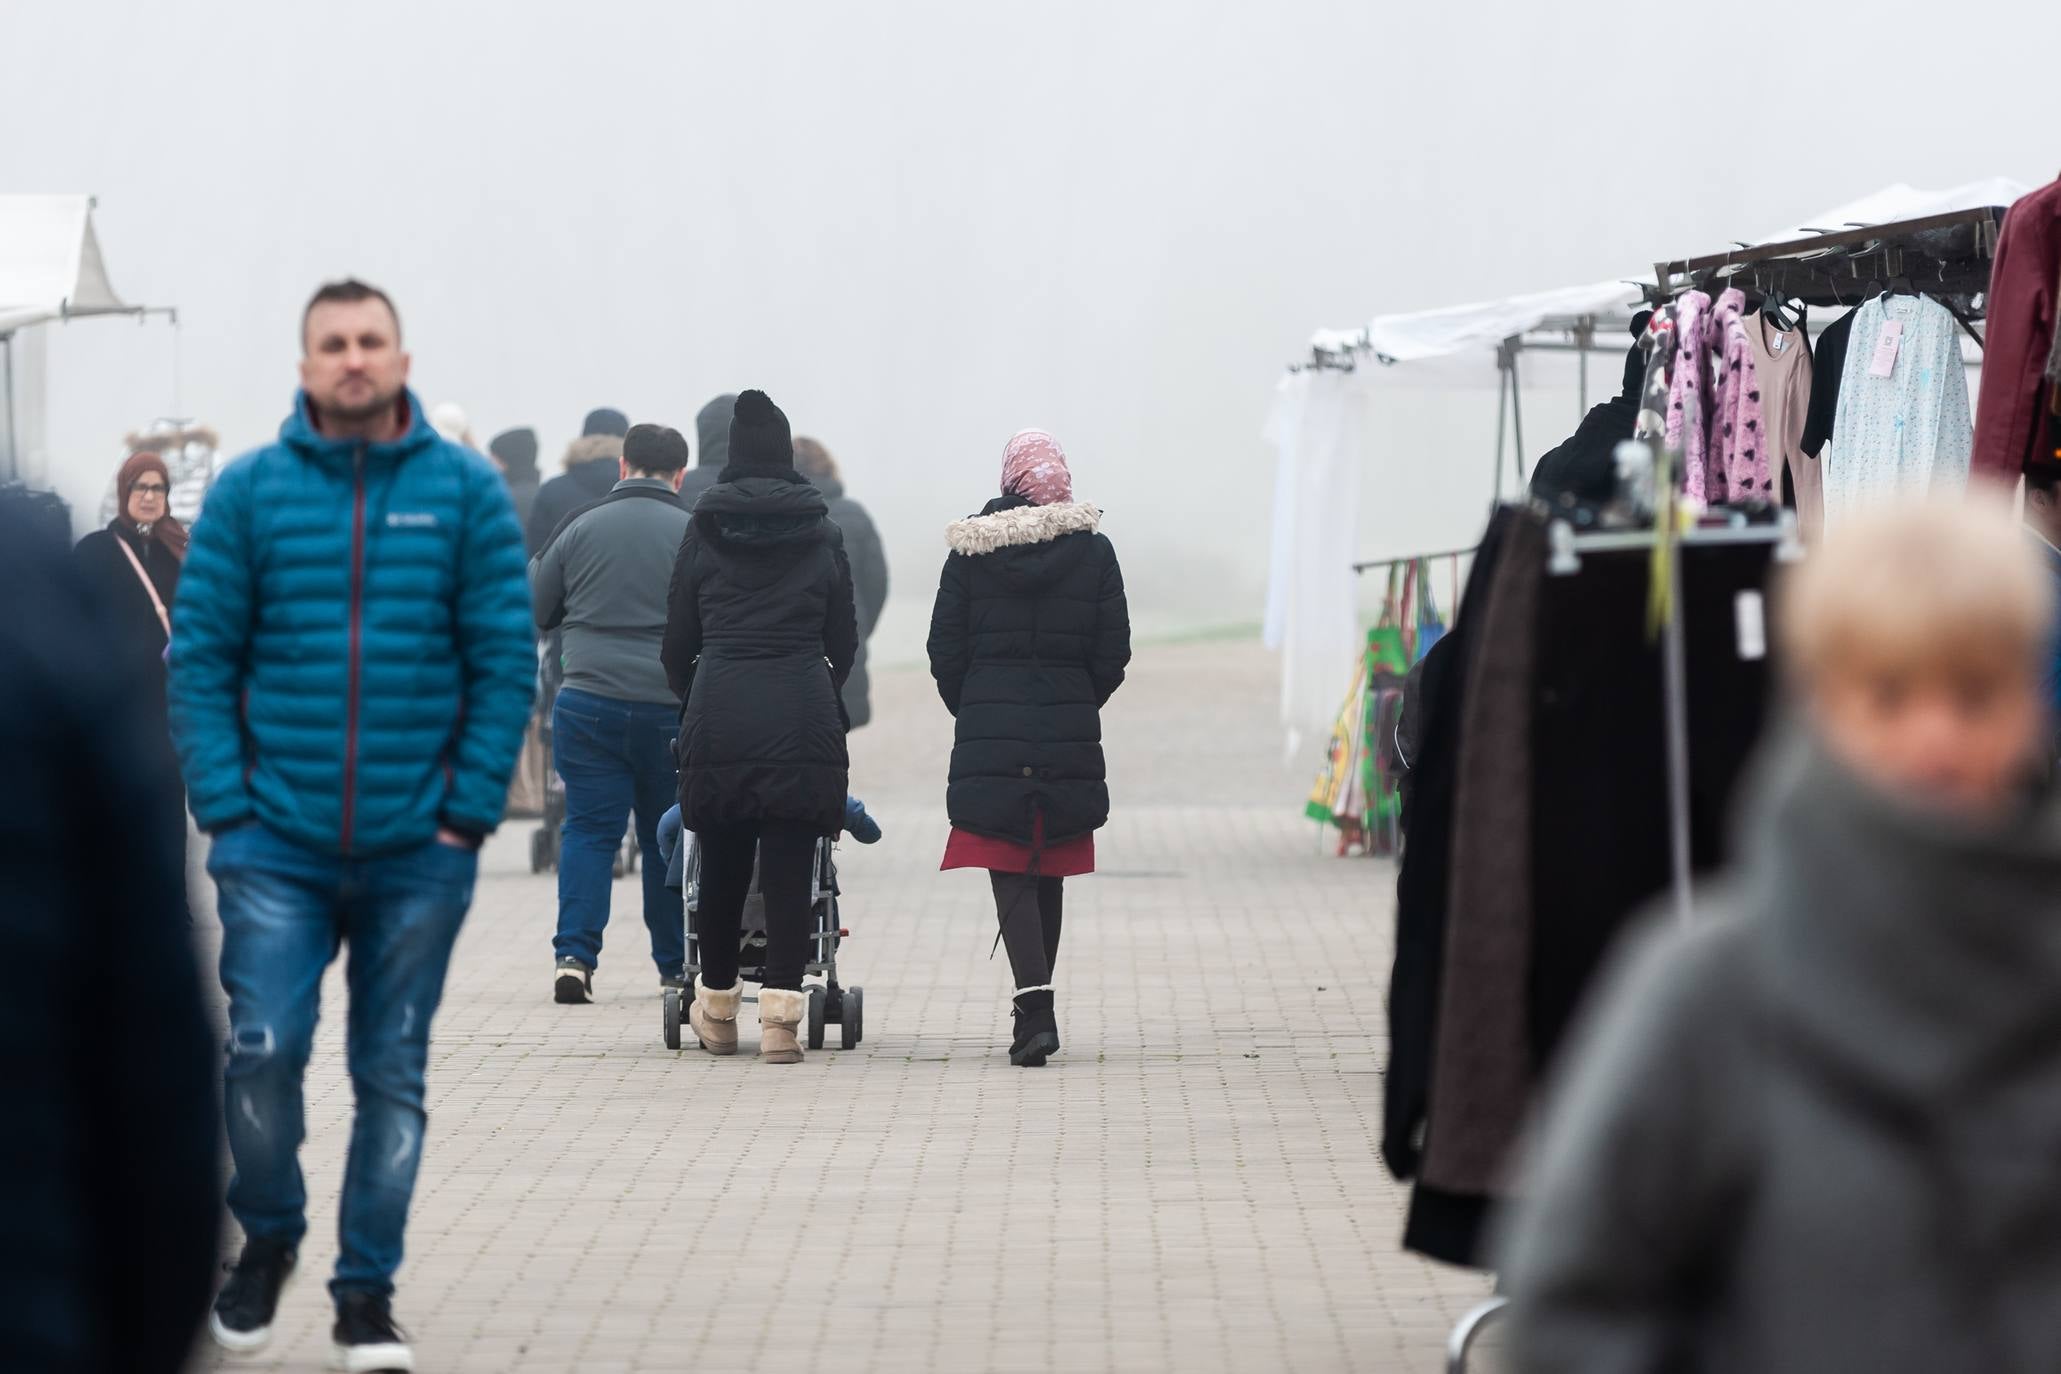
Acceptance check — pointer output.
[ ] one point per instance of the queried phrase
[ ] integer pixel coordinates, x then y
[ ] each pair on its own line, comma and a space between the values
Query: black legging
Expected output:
1029, 909
786, 853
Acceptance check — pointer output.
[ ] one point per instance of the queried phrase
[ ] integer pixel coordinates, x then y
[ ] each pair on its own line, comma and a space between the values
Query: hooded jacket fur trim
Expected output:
1007, 529
589, 447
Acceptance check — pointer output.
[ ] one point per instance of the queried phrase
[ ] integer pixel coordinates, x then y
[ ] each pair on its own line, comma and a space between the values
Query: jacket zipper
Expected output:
350, 766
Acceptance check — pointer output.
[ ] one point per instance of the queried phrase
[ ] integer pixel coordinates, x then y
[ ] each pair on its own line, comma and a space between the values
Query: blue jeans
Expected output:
616, 757
285, 911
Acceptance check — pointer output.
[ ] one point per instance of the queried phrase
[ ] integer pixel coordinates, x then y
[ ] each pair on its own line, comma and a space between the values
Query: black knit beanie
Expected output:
760, 443
517, 450
613, 423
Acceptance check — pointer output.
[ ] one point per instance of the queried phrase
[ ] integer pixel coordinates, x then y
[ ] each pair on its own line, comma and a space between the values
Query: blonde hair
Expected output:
1946, 588
814, 461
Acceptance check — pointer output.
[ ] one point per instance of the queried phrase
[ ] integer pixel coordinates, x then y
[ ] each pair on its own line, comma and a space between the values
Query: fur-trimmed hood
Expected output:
1018, 525
589, 447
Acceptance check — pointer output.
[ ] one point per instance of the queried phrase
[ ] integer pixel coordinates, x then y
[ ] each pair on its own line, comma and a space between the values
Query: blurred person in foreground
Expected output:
760, 635
351, 668
108, 1165
1817, 1129
133, 566
590, 474
602, 583
868, 560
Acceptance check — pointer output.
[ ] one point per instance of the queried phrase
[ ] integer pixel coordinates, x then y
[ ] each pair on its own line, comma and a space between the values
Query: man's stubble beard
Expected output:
372, 409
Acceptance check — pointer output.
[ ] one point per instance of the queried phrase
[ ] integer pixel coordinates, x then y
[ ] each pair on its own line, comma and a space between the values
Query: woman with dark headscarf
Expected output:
760, 636
134, 567
1029, 640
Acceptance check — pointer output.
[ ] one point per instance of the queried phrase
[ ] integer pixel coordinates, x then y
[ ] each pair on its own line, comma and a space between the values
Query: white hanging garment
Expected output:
1904, 425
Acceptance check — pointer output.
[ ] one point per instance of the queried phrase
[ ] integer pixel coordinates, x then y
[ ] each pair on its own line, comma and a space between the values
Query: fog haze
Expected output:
921, 226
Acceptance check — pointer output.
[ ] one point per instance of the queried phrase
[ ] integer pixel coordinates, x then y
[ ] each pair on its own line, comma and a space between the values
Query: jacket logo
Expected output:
411, 520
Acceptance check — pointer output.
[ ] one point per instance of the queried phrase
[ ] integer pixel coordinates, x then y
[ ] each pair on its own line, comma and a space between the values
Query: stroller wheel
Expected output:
853, 1021
672, 1018
816, 999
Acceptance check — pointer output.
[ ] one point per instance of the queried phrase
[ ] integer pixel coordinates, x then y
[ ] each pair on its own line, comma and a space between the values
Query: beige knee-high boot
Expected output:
780, 1013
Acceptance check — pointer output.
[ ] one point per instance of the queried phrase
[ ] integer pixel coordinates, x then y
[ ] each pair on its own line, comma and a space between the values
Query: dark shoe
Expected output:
242, 1317
367, 1341
1037, 1029
575, 982
672, 982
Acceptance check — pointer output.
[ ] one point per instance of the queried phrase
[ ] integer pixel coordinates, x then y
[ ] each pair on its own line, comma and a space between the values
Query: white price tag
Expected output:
1749, 613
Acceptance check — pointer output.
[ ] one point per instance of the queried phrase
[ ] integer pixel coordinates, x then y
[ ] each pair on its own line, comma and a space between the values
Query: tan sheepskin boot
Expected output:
714, 1016
780, 1013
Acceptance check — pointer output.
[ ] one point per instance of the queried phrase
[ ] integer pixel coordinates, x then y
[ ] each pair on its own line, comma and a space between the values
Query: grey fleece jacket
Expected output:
603, 580
1820, 1129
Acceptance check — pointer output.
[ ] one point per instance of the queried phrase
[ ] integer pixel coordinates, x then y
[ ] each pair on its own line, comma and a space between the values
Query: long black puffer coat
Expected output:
1029, 640
760, 635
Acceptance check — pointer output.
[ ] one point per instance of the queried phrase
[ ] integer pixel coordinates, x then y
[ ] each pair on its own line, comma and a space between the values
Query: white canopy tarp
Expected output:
1472, 333
50, 263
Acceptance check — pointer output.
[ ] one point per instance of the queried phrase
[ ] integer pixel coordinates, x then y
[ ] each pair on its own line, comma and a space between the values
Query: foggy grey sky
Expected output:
921, 226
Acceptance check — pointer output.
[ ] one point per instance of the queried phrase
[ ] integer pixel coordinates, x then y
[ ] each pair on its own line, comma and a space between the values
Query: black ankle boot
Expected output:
1037, 1030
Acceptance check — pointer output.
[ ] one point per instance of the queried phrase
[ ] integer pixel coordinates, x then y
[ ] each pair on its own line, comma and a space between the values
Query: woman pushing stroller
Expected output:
1029, 640
760, 636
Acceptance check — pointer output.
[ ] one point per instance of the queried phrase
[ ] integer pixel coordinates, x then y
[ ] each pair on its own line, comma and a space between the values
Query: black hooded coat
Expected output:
1029, 639
760, 637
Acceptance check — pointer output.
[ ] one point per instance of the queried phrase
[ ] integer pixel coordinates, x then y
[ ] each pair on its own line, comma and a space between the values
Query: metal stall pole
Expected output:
13, 452
1510, 349
1502, 423
1675, 684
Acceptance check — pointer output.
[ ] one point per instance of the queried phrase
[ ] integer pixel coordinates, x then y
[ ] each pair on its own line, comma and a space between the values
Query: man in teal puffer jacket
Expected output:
351, 670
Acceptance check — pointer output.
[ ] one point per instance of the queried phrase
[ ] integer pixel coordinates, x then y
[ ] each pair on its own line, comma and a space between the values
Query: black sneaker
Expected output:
575, 982
367, 1341
242, 1317
672, 982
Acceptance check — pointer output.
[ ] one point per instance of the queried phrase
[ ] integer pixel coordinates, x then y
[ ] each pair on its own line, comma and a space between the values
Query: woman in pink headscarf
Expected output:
1029, 640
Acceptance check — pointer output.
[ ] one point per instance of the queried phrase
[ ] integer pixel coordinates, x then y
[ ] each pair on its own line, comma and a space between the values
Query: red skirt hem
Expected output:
1075, 858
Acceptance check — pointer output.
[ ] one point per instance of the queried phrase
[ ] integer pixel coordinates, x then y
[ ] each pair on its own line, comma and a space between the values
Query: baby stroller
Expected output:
829, 1004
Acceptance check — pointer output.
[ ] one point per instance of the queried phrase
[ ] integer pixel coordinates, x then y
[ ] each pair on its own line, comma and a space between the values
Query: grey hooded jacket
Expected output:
1821, 1129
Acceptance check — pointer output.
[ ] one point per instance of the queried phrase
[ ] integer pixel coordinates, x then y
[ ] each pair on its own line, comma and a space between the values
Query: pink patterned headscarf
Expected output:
1034, 467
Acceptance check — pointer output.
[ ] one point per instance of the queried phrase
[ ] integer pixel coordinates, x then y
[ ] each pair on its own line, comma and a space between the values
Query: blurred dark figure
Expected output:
868, 559
133, 568
108, 1227
514, 451
590, 474
712, 442
1816, 1128
1583, 471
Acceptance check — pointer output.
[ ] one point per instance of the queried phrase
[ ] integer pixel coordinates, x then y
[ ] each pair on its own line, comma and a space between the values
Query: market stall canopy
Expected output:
1471, 334
50, 263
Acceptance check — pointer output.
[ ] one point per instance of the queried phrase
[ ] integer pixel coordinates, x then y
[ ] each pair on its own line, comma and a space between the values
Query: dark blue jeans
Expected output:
616, 757
285, 911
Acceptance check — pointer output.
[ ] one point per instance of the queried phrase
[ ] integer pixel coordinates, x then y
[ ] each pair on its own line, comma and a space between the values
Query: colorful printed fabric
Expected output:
1737, 457
1688, 397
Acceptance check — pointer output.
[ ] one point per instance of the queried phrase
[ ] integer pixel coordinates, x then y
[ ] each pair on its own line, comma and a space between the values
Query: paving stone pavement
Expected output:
1191, 1184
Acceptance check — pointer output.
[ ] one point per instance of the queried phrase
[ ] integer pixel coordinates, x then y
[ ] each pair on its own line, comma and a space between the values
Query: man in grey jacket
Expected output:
601, 581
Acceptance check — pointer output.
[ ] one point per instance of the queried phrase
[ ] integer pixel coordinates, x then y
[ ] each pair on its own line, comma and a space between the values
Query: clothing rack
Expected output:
1370, 564
1564, 550
1945, 256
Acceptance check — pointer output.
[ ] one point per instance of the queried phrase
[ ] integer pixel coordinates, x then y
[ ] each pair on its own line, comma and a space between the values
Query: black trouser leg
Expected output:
727, 853
1017, 907
1051, 902
787, 861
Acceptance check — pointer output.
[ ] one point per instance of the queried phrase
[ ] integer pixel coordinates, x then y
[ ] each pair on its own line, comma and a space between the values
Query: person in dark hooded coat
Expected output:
1582, 472
514, 451
760, 637
869, 565
590, 474
1029, 639
712, 439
